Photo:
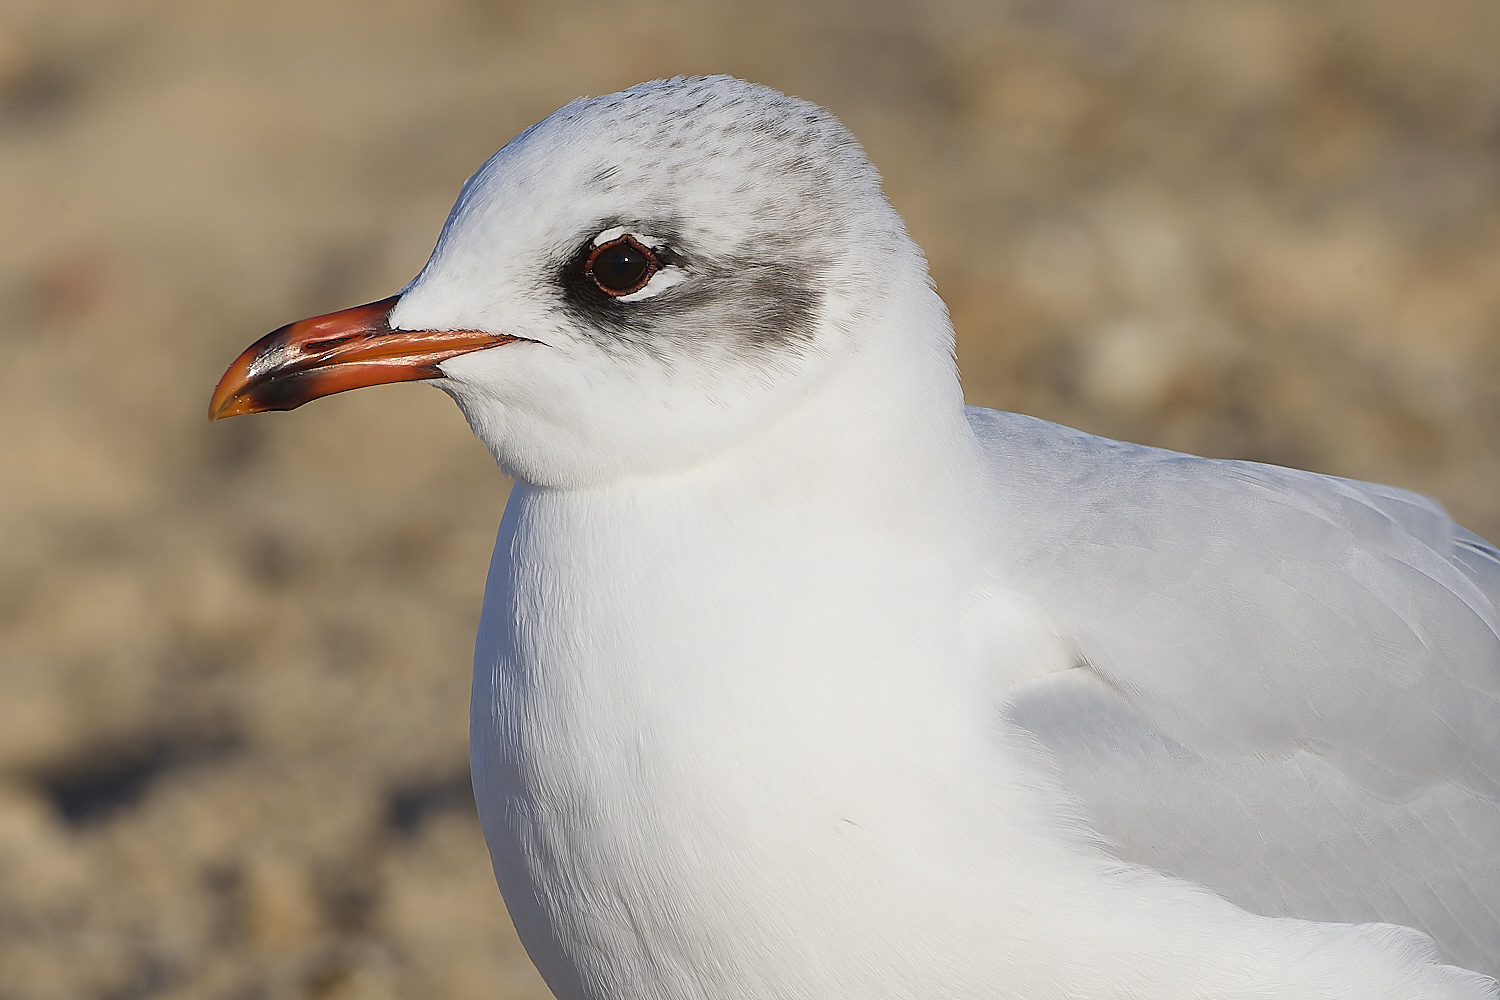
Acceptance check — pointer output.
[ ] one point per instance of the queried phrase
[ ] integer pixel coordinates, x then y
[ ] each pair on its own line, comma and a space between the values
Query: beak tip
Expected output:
225, 403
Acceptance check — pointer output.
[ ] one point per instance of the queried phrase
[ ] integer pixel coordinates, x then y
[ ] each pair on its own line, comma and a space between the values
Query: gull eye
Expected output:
621, 266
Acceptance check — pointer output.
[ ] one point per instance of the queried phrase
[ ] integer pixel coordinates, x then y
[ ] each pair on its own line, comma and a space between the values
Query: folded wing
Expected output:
1289, 684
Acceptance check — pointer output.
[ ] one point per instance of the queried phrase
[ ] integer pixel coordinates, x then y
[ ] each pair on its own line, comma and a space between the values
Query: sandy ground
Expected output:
234, 657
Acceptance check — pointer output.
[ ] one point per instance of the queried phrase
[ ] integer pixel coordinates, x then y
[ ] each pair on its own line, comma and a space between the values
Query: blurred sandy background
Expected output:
234, 657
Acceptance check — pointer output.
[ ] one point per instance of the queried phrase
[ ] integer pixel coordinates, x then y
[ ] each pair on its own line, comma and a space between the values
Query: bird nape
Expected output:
797, 678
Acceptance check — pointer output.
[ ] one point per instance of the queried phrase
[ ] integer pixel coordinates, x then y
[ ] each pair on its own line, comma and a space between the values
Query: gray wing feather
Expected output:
1291, 837
1295, 693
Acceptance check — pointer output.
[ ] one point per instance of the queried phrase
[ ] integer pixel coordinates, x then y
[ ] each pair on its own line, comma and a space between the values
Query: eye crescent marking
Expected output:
656, 284
609, 236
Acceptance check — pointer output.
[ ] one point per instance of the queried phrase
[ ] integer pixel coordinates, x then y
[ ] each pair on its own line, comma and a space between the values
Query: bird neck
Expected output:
868, 482
823, 570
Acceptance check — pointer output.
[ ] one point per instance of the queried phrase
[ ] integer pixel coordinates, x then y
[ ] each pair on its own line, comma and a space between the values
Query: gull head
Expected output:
635, 284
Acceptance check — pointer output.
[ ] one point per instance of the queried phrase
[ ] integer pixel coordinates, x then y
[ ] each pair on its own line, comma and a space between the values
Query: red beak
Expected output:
342, 350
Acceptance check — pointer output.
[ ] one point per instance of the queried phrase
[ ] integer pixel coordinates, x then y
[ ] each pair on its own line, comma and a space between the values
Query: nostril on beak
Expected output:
329, 343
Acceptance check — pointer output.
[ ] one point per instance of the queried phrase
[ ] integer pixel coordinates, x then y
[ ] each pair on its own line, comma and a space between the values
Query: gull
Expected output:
796, 678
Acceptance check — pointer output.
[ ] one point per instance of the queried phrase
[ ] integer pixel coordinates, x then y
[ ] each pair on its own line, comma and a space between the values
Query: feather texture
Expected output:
1293, 702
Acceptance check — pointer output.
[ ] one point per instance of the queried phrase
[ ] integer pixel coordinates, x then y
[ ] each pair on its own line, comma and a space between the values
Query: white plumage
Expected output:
797, 679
